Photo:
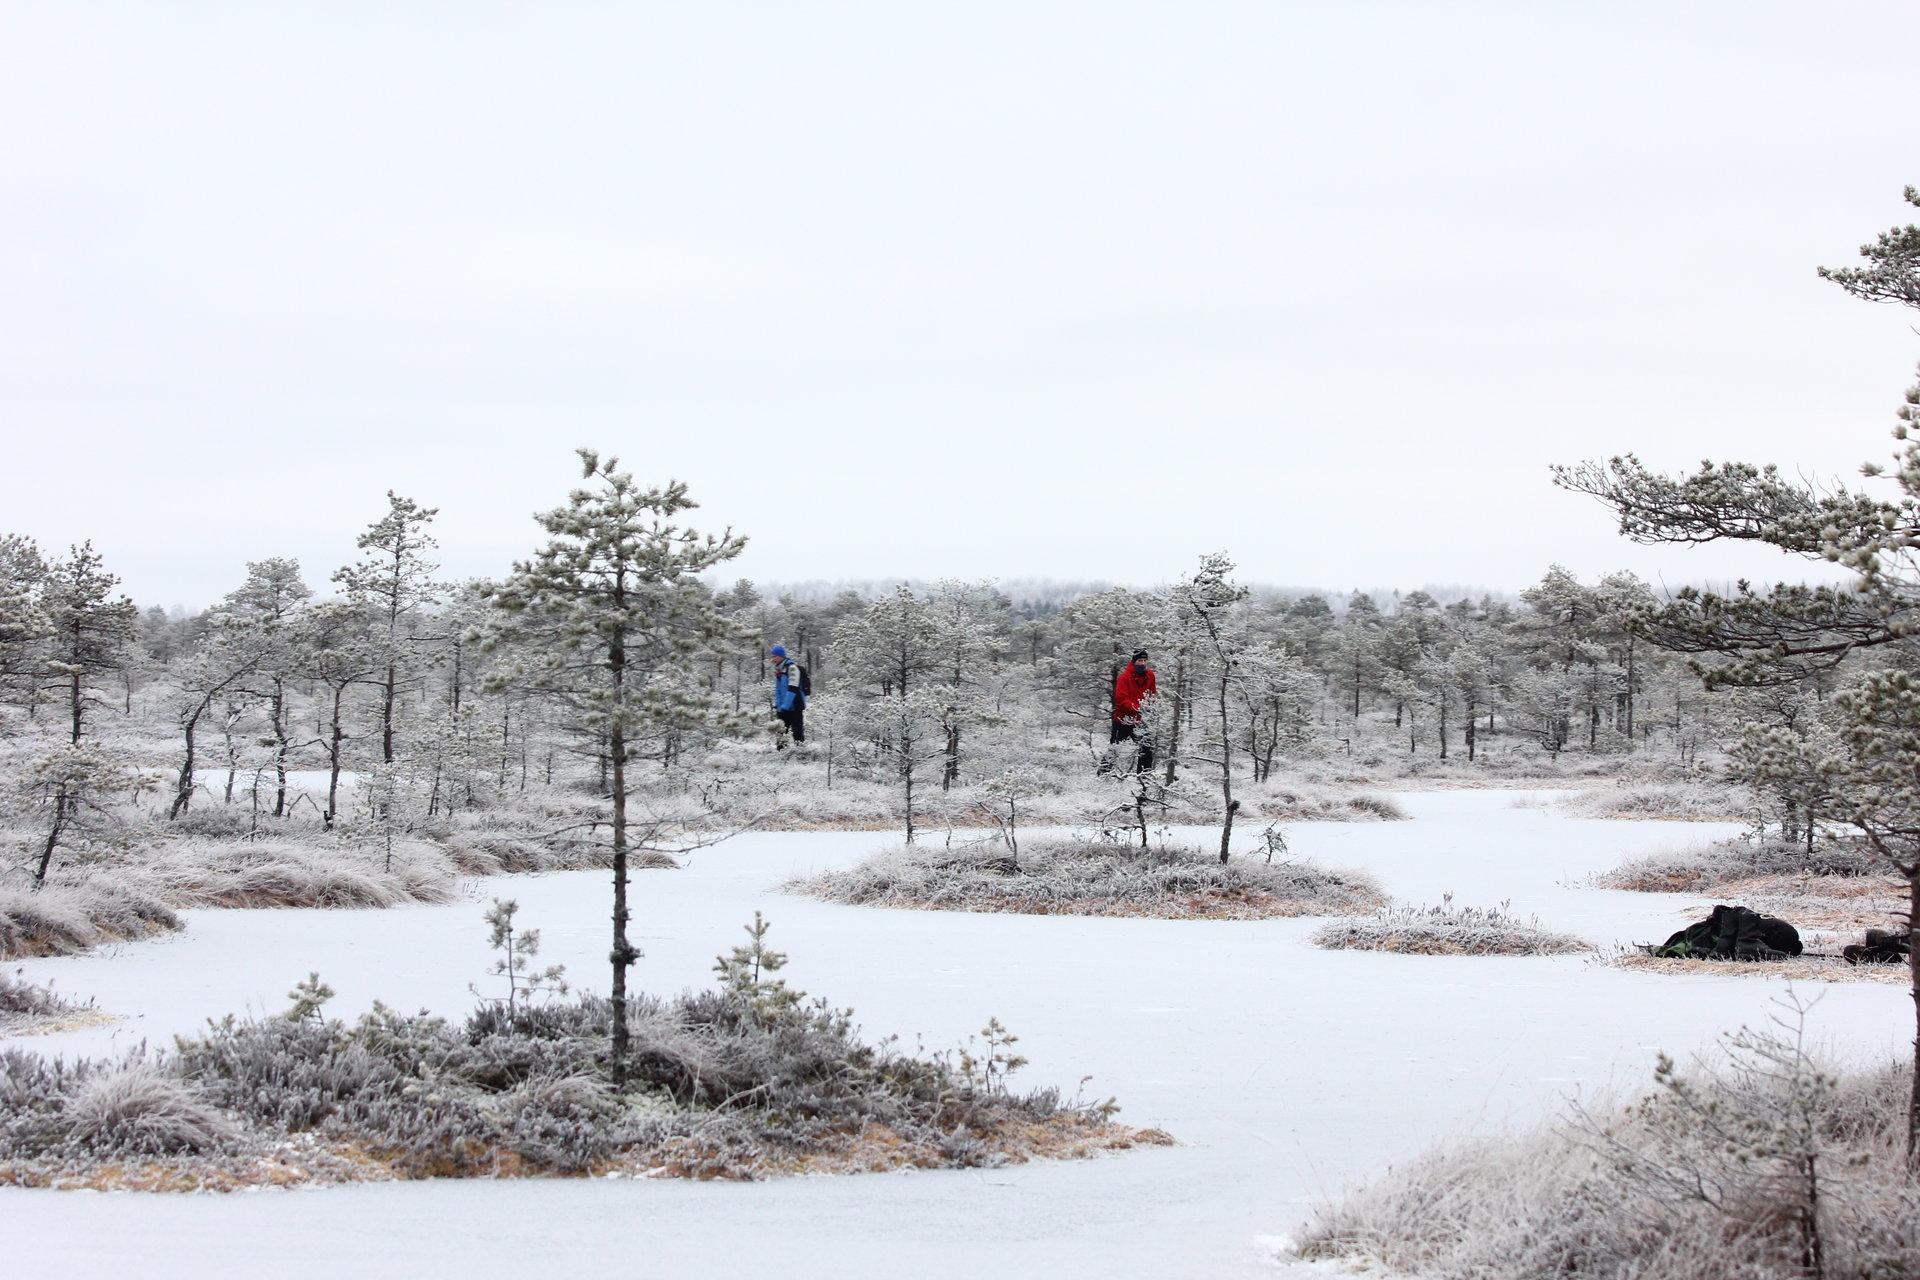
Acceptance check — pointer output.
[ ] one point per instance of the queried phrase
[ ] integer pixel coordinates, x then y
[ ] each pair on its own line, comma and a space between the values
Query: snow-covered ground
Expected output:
1286, 1072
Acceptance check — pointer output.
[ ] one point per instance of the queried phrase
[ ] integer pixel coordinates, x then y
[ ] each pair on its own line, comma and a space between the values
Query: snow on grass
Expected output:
1447, 930
1707, 1175
721, 1086
288, 873
72, 913
1838, 884
1701, 868
1092, 877
1690, 800
26, 1008
1823, 968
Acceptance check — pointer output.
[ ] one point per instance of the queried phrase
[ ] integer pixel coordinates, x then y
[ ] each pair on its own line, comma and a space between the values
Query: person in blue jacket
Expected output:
789, 694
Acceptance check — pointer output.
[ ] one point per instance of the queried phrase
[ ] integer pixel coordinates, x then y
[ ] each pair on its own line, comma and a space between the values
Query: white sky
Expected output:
1023, 290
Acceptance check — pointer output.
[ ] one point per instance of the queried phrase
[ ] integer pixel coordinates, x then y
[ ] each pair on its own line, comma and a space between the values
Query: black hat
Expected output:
1139, 655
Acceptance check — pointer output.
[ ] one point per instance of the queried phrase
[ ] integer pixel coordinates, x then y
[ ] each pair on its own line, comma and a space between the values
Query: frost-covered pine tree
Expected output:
1207, 605
270, 605
610, 613
1793, 632
391, 583
339, 653
24, 624
89, 626
229, 653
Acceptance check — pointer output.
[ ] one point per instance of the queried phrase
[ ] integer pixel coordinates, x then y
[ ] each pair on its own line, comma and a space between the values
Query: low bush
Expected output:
746, 1081
1447, 930
1764, 1166
1077, 876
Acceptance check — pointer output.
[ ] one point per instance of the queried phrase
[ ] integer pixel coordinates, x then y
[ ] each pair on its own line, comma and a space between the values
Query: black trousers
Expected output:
796, 722
1133, 733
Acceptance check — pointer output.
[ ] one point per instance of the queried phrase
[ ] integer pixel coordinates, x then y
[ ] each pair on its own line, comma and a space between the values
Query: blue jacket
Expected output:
786, 687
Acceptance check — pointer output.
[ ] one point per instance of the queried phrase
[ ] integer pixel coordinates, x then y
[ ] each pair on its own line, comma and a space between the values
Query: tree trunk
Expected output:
1226, 765
906, 775
280, 748
951, 773
183, 789
63, 806
1631, 680
386, 715
1913, 968
1173, 733
333, 761
76, 698
623, 954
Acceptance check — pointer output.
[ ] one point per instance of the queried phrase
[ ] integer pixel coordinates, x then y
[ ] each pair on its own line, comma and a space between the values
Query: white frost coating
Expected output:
1285, 1071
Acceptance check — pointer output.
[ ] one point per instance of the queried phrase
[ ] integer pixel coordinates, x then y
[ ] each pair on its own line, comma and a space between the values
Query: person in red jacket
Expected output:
1131, 689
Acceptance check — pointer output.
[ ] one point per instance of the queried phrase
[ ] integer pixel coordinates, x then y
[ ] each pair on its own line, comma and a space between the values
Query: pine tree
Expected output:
1207, 604
270, 604
1794, 633
613, 610
89, 629
390, 583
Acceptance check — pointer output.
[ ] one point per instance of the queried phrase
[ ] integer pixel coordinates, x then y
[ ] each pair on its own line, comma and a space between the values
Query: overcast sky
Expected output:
1021, 290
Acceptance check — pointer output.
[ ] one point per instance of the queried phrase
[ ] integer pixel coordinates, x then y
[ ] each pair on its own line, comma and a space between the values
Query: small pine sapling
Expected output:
1275, 842
744, 974
995, 1060
517, 953
308, 998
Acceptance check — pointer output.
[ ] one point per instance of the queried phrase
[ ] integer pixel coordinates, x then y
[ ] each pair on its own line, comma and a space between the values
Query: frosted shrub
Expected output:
1079, 876
748, 1080
1765, 1165
1447, 930
140, 1110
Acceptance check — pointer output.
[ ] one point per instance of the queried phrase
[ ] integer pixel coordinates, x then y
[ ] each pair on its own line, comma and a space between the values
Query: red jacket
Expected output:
1130, 689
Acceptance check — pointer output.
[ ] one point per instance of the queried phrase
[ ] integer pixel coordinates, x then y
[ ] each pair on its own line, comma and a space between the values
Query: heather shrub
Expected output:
744, 1081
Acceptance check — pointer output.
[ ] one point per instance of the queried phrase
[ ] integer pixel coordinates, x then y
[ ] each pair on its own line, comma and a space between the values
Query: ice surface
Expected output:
1286, 1071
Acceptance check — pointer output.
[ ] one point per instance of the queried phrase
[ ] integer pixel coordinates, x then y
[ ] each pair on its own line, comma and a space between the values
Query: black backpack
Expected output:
806, 681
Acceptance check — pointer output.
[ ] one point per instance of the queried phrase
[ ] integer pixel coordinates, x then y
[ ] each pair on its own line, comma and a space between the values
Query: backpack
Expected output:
806, 681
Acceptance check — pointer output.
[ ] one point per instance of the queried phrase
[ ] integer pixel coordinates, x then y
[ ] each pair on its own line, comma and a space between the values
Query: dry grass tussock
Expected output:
725, 1084
1838, 884
1818, 968
289, 873
73, 913
1707, 867
1764, 1165
1447, 930
1690, 800
1080, 876
27, 1009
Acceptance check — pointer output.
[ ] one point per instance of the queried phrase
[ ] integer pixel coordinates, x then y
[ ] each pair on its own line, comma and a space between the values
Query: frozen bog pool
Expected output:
1285, 1071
